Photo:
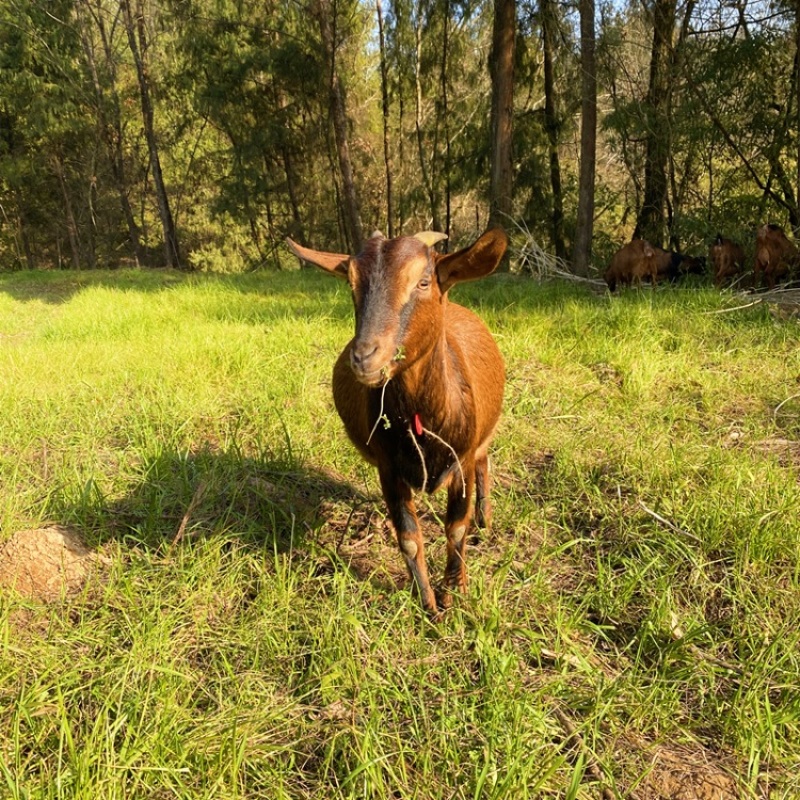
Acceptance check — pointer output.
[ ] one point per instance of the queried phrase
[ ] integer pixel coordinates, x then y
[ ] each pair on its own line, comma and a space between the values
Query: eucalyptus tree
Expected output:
255, 84
45, 137
796, 98
501, 183
547, 108
650, 222
135, 22
737, 105
552, 123
385, 105
427, 153
325, 13
703, 119
98, 24
584, 226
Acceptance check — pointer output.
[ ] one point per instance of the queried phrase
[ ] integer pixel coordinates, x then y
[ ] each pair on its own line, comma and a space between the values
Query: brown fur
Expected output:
775, 255
418, 359
666, 263
631, 263
727, 259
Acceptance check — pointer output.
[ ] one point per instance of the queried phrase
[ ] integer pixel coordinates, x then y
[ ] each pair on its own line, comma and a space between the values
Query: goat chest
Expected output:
422, 446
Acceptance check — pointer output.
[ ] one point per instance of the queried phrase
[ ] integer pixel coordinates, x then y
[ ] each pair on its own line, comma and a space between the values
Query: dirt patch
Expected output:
363, 539
46, 564
681, 772
785, 450
608, 373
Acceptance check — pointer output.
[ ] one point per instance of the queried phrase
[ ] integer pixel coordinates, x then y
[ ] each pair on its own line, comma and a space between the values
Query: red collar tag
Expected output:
417, 425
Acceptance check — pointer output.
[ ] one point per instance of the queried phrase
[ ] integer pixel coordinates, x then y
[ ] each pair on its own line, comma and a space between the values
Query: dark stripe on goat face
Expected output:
386, 281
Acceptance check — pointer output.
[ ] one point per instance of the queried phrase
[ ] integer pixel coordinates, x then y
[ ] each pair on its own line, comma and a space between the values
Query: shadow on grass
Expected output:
263, 502
265, 296
59, 286
304, 292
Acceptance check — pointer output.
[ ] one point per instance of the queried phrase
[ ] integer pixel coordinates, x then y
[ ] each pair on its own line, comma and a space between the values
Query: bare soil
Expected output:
681, 772
46, 564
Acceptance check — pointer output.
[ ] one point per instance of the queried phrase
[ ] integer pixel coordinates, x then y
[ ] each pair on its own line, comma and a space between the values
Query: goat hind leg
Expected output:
483, 486
459, 515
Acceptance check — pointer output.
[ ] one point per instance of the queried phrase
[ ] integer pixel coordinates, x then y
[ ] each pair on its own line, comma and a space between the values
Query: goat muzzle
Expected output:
368, 364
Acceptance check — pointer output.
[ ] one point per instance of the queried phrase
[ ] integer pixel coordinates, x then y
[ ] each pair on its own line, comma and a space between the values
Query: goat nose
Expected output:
361, 353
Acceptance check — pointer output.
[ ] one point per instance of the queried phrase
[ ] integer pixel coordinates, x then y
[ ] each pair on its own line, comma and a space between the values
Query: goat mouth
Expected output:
375, 378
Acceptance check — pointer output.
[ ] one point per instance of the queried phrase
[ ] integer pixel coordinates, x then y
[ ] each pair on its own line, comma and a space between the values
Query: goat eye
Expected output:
424, 284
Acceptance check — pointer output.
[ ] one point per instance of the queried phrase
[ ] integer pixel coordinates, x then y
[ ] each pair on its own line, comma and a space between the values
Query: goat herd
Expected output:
776, 258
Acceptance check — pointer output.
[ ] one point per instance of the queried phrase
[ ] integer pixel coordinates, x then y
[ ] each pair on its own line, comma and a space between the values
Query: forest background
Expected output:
199, 133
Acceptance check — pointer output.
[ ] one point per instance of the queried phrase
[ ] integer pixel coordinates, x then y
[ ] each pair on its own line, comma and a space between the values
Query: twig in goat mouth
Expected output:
381, 415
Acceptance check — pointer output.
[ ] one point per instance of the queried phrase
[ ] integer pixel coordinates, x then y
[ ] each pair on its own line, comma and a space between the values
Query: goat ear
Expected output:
473, 262
335, 263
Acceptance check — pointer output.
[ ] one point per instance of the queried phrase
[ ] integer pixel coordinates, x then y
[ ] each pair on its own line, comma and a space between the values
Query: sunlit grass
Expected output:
249, 636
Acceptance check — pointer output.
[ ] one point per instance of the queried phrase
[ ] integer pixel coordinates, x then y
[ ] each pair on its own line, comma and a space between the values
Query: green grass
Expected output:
640, 587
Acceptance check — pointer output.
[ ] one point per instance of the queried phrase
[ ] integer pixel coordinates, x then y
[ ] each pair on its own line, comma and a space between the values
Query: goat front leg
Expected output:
400, 503
459, 515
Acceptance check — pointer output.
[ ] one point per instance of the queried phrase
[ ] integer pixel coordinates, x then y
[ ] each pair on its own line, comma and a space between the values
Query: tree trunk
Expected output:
291, 188
675, 198
427, 180
387, 160
797, 97
137, 40
582, 251
650, 222
401, 154
287, 157
72, 226
326, 16
552, 125
109, 125
445, 119
22, 231
501, 180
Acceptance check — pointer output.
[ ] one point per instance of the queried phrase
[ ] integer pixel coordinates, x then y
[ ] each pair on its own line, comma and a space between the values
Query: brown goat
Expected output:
775, 255
727, 259
639, 259
632, 262
420, 386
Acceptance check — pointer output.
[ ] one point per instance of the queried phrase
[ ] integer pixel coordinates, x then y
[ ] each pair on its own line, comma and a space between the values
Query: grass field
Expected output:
632, 626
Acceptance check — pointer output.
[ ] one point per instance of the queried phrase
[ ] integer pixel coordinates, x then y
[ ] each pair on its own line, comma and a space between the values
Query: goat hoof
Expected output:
444, 602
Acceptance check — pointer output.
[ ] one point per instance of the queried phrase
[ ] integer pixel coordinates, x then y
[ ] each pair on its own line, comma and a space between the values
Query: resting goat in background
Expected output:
420, 386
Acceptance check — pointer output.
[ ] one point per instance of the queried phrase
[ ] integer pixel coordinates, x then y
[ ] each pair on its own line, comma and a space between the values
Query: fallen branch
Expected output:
669, 524
532, 258
735, 308
782, 404
198, 494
